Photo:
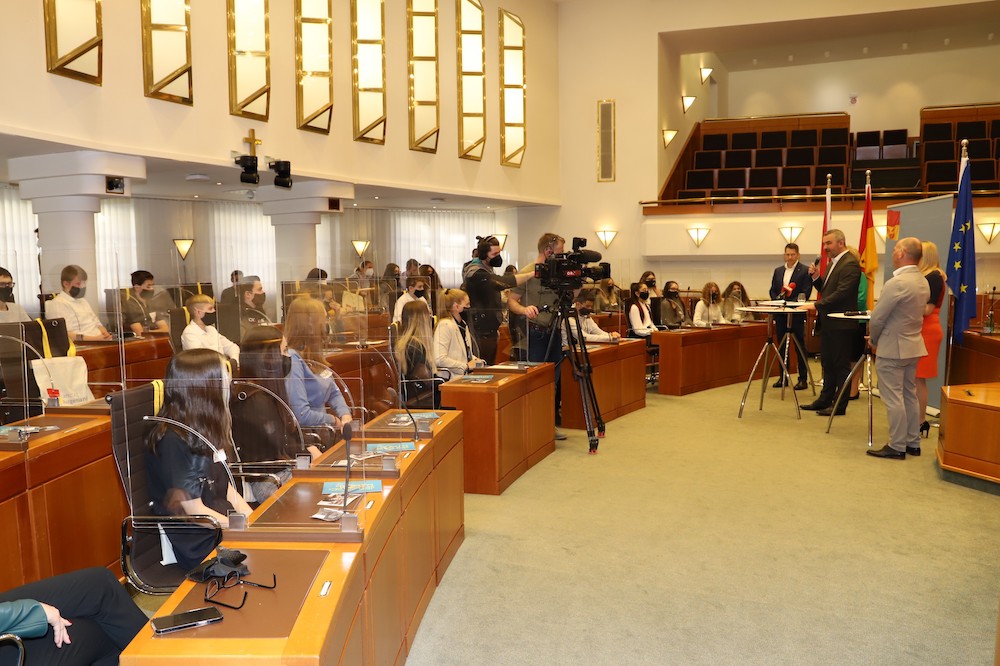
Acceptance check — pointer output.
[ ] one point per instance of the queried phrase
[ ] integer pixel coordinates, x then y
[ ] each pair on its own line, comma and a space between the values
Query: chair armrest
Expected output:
258, 476
14, 638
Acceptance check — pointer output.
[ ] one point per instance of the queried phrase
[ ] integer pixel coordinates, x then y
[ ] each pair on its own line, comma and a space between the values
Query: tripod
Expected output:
580, 363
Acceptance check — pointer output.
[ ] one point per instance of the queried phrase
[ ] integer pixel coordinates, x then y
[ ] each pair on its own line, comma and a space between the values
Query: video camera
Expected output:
568, 270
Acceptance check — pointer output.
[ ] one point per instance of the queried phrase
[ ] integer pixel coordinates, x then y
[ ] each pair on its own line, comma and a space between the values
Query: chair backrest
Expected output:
227, 321
179, 318
15, 358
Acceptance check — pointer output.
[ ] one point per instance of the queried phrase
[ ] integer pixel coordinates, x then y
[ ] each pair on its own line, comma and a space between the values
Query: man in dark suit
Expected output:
791, 280
838, 293
895, 331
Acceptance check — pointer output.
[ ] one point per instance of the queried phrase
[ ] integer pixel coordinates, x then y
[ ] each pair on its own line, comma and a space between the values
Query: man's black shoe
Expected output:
779, 383
802, 385
887, 452
826, 411
813, 406
913, 450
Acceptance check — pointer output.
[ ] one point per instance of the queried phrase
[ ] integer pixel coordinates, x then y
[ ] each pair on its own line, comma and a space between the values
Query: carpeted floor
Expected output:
695, 537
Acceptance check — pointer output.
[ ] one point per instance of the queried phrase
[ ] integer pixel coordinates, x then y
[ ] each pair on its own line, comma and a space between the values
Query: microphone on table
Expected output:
788, 290
346, 431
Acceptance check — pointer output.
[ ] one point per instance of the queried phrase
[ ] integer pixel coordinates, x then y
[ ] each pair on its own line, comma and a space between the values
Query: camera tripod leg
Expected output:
580, 364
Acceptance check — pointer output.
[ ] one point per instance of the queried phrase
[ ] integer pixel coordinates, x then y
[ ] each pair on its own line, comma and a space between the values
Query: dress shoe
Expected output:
826, 411
913, 450
780, 383
887, 452
560, 435
855, 396
925, 430
813, 406
802, 385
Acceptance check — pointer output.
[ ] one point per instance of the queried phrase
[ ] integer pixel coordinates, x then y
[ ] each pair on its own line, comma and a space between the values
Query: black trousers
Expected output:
104, 617
836, 348
798, 329
488, 346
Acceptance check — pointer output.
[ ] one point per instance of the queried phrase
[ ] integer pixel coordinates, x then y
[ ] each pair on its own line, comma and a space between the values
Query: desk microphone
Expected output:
346, 431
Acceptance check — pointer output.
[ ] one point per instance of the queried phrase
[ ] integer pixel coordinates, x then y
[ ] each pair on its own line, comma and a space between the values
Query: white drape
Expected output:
19, 247
241, 238
114, 229
443, 239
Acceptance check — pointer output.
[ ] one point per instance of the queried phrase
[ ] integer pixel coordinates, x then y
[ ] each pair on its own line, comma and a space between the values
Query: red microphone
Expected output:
787, 291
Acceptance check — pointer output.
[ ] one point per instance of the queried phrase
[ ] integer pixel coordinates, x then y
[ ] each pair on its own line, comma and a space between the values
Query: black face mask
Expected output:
715, 298
496, 262
258, 300
650, 283
7, 294
77, 292
419, 293
644, 295
209, 319
673, 294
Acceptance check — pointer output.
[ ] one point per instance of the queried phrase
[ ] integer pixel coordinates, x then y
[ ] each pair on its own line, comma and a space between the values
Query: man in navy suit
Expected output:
838, 293
789, 281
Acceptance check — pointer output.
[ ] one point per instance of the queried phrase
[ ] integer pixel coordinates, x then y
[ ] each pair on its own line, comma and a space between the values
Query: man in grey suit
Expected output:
838, 293
895, 333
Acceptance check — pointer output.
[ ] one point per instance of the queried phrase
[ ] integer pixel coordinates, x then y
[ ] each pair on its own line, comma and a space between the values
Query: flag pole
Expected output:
962, 165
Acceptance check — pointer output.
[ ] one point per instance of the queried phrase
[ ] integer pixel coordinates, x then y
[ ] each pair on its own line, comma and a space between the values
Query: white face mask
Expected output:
369, 272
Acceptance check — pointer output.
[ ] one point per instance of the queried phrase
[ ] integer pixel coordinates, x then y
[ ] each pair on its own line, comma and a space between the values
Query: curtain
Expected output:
241, 237
443, 239
19, 247
114, 230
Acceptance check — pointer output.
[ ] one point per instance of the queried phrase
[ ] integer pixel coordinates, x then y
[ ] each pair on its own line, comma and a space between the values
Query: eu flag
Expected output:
961, 267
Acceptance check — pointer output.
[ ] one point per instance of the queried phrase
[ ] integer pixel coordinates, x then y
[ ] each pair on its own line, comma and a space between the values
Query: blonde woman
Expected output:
415, 356
452, 342
927, 366
708, 310
201, 332
607, 298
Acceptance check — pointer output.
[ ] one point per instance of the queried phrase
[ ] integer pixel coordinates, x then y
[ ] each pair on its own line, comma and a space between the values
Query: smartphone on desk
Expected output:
198, 617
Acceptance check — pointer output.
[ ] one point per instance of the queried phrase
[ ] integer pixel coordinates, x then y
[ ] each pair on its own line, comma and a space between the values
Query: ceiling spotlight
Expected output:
249, 165
282, 173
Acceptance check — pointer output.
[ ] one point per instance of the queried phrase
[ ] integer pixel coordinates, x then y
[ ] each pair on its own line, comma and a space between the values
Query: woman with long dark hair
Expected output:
415, 356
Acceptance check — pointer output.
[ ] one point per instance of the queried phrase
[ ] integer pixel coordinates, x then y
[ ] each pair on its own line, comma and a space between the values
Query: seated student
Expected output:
201, 332
263, 430
673, 313
184, 475
138, 314
708, 311
649, 279
584, 304
82, 323
309, 384
389, 287
251, 304
453, 350
607, 298
9, 310
81, 617
416, 290
735, 296
639, 318
415, 358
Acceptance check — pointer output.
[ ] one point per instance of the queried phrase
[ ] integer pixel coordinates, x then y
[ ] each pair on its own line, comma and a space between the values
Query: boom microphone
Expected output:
588, 256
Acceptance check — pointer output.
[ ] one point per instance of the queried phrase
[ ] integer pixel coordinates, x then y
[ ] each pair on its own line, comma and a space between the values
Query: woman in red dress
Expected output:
927, 367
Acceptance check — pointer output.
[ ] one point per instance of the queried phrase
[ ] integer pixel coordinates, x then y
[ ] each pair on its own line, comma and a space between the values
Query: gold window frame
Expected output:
71, 62
370, 129
243, 106
423, 134
511, 150
317, 118
165, 87
470, 146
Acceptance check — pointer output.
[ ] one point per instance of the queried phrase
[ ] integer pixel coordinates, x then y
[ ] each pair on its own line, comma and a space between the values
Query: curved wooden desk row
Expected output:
350, 603
61, 501
696, 359
618, 373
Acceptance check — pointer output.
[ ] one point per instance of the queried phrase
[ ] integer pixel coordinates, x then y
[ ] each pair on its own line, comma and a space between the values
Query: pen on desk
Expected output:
325, 590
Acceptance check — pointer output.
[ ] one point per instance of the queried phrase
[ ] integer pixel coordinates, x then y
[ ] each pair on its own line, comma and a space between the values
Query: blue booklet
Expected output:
365, 486
391, 447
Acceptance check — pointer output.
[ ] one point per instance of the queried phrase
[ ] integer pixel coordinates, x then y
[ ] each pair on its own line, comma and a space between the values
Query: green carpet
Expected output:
695, 537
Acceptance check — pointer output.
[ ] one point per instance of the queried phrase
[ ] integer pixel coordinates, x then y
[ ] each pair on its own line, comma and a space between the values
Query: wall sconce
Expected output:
360, 246
989, 230
705, 73
790, 233
502, 238
668, 136
183, 246
687, 101
881, 231
606, 237
249, 165
282, 173
698, 235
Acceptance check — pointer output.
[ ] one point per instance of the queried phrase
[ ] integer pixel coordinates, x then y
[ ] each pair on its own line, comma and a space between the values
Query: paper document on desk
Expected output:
378, 448
329, 515
475, 379
400, 420
336, 500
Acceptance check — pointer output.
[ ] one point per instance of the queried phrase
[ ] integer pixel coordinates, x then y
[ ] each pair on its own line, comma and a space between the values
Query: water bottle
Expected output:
988, 324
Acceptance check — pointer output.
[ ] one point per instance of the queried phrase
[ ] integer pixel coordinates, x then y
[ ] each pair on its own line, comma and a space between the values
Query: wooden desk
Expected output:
378, 590
66, 486
145, 360
976, 360
619, 378
696, 359
510, 425
965, 444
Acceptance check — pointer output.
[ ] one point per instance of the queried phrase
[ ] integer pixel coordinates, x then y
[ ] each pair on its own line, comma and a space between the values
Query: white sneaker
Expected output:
560, 435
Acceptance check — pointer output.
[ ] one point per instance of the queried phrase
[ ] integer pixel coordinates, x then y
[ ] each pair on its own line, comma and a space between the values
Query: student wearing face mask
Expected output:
252, 298
416, 290
735, 296
709, 310
82, 323
673, 313
364, 274
607, 299
584, 304
486, 292
649, 279
640, 320
9, 310
433, 284
453, 350
138, 313
389, 287
201, 332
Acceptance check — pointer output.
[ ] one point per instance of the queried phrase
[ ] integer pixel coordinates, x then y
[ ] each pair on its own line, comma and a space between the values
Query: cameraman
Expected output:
484, 288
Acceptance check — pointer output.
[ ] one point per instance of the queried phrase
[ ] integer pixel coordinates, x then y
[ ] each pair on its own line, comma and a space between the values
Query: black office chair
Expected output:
179, 318
20, 343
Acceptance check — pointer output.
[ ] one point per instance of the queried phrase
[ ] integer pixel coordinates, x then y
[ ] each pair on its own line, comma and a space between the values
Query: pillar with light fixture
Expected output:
698, 235
183, 246
606, 236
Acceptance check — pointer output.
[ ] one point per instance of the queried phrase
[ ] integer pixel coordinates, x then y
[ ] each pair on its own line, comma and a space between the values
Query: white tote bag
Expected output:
68, 374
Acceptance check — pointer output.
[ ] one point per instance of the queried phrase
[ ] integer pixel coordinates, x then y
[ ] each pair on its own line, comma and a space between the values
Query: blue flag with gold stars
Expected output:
961, 267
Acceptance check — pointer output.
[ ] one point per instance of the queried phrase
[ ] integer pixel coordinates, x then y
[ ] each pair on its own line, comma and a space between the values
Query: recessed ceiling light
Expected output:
375, 197
196, 196
196, 177
219, 183
355, 205
488, 207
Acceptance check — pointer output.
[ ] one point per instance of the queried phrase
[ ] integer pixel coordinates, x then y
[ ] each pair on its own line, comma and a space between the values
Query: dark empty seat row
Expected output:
963, 129
829, 136
946, 171
876, 145
800, 176
979, 149
769, 157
